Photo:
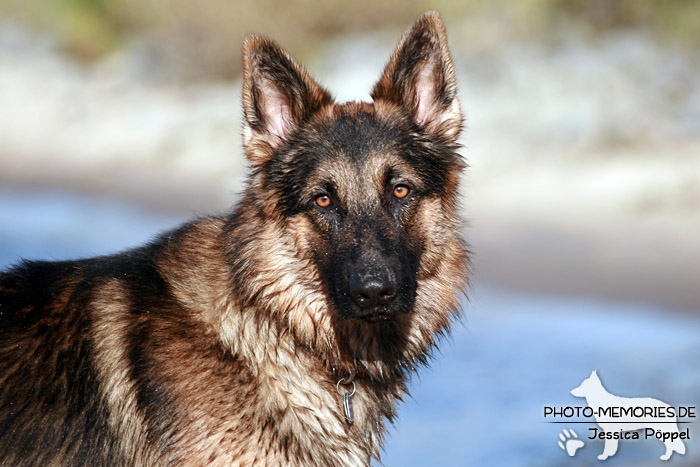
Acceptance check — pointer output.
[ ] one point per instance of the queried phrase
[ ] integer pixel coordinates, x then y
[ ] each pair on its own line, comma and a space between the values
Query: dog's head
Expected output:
367, 190
589, 386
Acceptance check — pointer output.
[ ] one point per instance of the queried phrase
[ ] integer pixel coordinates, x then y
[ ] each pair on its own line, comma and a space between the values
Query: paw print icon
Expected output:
569, 442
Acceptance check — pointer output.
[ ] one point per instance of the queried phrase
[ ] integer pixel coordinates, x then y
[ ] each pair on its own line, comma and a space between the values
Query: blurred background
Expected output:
121, 118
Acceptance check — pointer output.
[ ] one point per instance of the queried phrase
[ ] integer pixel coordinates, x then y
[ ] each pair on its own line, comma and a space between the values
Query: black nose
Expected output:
372, 291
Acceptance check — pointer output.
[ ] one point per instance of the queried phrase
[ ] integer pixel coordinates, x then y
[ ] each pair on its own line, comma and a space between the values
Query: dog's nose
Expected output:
372, 291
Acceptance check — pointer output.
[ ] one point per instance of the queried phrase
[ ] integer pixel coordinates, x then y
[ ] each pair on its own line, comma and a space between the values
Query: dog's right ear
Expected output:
278, 94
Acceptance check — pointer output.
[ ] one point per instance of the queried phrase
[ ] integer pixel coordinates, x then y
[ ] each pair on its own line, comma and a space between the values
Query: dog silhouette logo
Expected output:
622, 418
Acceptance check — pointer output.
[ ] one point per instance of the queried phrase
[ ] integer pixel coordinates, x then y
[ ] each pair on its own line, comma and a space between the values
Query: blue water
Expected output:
53, 226
482, 400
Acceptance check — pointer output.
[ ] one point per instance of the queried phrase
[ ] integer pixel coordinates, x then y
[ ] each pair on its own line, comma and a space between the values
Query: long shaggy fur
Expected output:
222, 342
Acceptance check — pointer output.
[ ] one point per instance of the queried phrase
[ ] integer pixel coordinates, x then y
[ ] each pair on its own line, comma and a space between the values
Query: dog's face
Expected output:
363, 176
590, 385
362, 182
369, 189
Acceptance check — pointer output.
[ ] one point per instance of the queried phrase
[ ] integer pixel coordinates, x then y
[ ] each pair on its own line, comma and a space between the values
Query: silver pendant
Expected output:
347, 405
347, 399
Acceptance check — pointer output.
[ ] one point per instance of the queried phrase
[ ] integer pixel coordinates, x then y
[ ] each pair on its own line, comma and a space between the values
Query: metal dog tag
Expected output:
347, 405
347, 398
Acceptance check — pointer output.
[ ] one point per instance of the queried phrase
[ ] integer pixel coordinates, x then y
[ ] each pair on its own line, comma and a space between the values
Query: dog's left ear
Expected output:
278, 95
420, 77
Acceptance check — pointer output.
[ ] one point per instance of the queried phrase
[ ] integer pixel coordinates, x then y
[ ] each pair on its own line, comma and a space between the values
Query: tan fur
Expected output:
111, 307
220, 343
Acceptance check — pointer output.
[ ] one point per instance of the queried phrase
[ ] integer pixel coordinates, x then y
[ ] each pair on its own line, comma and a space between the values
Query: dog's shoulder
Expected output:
31, 288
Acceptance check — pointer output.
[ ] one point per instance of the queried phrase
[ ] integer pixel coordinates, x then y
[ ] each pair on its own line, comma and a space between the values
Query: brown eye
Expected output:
401, 191
323, 201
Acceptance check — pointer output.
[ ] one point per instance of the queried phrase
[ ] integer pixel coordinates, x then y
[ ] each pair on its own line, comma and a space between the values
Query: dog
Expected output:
615, 425
280, 333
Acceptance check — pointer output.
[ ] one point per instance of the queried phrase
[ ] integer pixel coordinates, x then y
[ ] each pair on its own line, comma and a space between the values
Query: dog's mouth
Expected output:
380, 314
377, 316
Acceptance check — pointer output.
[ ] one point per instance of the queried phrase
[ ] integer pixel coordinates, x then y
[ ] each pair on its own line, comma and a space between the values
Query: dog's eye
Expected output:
323, 201
401, 191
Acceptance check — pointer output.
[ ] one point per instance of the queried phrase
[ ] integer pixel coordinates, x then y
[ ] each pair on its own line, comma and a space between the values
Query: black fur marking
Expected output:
58, 359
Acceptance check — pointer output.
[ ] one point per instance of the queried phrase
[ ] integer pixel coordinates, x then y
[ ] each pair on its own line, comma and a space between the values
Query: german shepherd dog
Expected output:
281, 333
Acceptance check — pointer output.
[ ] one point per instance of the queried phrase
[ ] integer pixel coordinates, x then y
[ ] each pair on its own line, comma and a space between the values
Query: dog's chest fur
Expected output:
288, 417
293, 414
293, 418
